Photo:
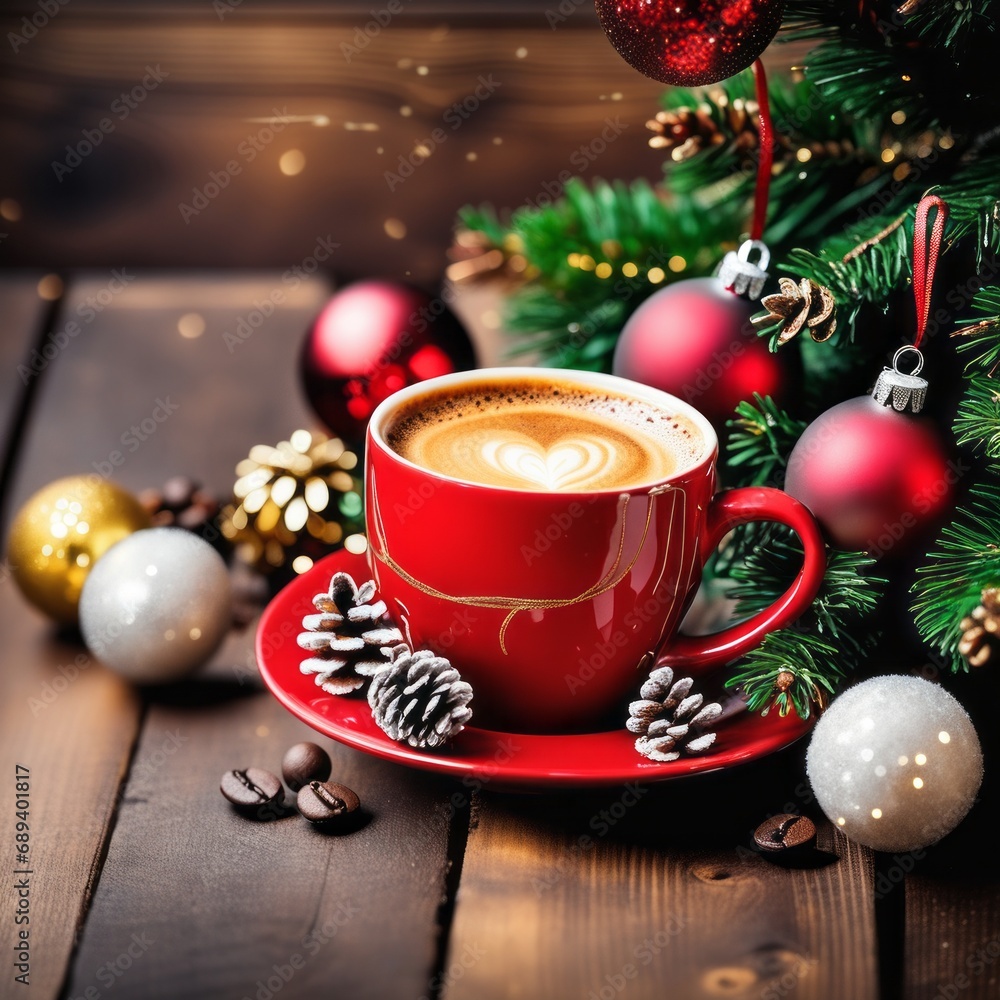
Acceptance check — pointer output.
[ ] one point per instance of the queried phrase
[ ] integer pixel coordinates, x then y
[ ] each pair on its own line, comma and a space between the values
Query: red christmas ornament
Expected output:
371, 339
873, 478
694, 340
690, 42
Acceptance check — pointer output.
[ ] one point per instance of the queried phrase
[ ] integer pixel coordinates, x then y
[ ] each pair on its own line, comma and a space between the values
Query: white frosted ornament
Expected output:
156, 605
895, 763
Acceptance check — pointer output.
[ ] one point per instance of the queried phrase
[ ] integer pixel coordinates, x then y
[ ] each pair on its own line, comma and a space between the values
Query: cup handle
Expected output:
741, 506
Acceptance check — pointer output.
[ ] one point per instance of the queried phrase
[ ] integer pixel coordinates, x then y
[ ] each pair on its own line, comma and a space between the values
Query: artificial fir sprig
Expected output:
966, 557
965, 560
599, 252
898, 99
798, 667
761, 437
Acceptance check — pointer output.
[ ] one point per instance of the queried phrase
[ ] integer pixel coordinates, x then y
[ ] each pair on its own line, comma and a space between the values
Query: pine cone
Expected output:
180, 502
420, 699
980, 629
301, 497
806, 304
350, 638
685, 132
669, 720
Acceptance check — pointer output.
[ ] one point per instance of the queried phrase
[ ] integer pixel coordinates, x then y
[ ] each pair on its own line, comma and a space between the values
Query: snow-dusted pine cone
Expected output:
669, 720
420, 698
350, 638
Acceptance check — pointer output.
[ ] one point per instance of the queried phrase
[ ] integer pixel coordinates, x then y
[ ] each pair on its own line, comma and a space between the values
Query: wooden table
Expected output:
146, 885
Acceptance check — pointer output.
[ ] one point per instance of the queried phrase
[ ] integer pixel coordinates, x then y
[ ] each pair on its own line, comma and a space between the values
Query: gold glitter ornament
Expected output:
61, 531
300, 497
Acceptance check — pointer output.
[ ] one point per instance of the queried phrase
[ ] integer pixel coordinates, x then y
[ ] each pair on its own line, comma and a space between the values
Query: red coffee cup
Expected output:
546, 602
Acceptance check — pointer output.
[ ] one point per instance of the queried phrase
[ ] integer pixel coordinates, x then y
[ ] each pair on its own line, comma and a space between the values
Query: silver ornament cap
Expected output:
901, 390
740, 275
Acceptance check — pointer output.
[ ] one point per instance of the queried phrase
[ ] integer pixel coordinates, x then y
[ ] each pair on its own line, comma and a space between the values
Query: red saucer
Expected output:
501, 760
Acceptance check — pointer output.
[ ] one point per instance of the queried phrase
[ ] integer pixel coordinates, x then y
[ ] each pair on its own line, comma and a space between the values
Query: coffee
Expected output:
544, 434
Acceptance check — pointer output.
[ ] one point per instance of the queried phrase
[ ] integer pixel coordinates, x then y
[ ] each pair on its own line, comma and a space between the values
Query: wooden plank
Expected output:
50, 695
654, 892
215, 901
66, 723
952, 936
951, 891
227, 904
72, 723
378, 107
21, 312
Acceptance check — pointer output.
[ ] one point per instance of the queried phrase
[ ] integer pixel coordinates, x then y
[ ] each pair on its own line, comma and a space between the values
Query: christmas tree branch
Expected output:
965, 560
760, 439
798, 667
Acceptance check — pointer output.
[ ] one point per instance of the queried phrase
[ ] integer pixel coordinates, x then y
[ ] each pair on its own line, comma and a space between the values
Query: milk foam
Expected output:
540, 435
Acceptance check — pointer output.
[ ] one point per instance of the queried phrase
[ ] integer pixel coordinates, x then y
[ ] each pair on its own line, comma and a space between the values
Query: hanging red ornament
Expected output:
690, 42
694, 339
371, 339
874, 477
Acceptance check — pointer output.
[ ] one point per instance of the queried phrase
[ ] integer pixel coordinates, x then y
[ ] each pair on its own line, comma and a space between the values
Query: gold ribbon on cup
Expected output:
513, 605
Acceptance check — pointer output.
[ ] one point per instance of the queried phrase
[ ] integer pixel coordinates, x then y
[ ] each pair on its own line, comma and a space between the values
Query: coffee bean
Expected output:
784, 833
303, 763
253, 791
328, 804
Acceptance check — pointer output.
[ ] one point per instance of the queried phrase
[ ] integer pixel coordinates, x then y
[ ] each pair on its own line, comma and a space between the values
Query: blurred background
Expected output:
236, 133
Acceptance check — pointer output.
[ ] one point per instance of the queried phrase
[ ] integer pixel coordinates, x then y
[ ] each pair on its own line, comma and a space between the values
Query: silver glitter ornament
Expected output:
895, 763
156, 605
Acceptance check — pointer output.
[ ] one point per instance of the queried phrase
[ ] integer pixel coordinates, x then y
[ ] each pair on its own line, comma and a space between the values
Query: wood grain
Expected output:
653, 892
21, 312
951, 891
560, 103
51, 693
228, 904
192, 900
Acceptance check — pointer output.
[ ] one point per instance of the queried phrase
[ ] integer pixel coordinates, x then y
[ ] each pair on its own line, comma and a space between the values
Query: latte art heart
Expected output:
571, 463
543, 434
